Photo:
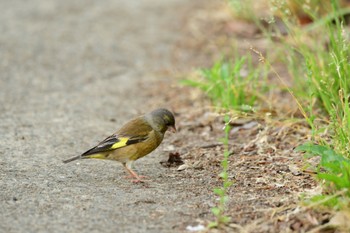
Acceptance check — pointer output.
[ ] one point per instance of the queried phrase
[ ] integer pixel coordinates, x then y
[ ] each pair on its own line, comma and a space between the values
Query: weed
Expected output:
219, 210
229, 86
334, 169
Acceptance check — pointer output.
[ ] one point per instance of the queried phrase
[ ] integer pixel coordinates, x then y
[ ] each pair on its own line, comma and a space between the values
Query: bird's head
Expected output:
162, 120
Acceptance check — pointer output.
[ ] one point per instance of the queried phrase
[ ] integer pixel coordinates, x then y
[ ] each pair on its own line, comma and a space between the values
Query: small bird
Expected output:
134, 140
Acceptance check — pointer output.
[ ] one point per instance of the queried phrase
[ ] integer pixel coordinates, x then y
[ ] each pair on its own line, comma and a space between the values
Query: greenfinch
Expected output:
134, 140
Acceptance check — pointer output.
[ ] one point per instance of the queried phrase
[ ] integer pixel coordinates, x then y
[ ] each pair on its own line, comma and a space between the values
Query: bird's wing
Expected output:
114, 142
133, 132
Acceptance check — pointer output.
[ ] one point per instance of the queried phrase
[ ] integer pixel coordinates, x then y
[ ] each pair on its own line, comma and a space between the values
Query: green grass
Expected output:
324, 64
230, 85
320, 55
328, 73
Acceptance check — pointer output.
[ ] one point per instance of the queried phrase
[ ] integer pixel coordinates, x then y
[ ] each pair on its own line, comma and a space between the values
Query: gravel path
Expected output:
70, 74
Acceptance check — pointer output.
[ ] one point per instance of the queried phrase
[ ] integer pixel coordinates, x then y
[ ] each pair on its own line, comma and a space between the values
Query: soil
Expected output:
73, 72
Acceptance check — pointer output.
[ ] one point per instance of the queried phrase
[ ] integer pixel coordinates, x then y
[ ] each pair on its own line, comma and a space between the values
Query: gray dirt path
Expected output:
69, 77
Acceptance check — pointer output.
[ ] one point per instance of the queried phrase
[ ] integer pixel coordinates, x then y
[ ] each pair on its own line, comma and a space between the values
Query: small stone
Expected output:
182, 167
199, 227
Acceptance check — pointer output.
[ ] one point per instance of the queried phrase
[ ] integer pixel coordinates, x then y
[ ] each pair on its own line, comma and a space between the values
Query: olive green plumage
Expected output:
135, 139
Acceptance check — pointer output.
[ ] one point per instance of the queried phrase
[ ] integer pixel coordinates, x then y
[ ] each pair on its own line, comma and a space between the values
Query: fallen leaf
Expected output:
174, 160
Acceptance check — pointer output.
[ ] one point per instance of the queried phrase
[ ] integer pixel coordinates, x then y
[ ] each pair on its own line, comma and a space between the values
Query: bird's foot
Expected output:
138, 181
136, 178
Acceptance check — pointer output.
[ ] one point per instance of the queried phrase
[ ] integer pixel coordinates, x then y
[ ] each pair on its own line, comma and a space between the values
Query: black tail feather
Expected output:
72, 159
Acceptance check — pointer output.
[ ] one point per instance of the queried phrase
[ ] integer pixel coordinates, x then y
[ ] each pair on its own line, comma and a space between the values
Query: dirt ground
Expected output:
73, 72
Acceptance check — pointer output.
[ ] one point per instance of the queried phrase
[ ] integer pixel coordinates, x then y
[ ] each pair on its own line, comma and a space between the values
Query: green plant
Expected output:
219, 210
334, 169
328, 74
229, 86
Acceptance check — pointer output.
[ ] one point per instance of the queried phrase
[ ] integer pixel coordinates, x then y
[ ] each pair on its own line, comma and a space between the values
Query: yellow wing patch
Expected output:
122, 142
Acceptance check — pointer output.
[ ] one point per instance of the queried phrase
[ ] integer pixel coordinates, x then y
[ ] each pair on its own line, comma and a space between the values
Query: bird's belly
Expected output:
134, 151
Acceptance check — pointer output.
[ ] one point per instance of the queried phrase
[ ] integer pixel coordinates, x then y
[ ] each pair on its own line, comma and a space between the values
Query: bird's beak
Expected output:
172, 129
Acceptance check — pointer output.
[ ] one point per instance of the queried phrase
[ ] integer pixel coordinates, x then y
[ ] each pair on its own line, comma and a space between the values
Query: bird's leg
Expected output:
133, 174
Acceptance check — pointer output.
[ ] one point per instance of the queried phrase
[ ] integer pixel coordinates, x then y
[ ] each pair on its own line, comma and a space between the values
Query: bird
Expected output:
134, 140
